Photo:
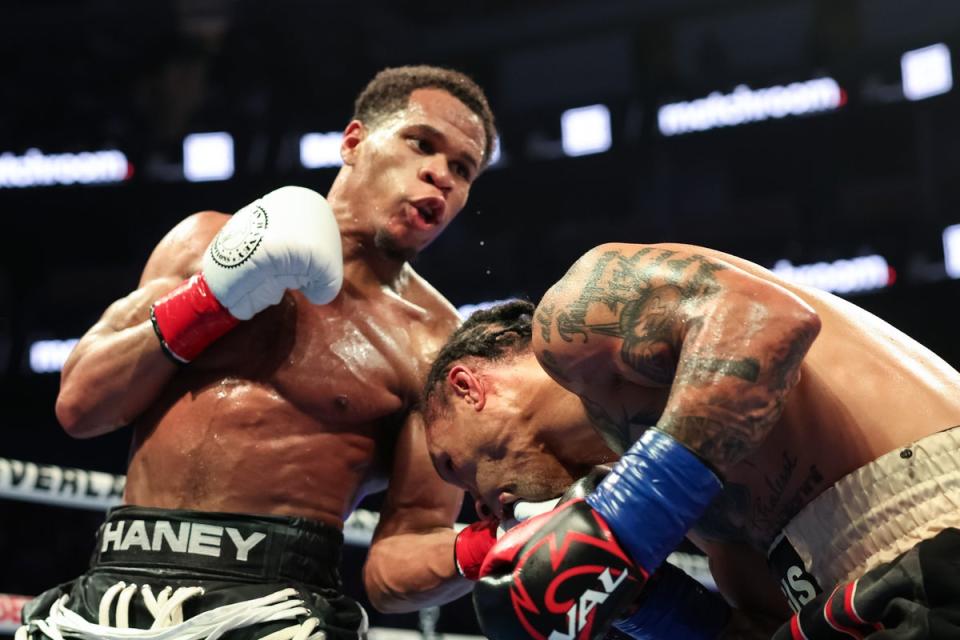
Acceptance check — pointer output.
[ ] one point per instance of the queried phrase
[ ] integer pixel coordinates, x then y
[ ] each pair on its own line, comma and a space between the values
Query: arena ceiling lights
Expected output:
585, 130
321, 150
951, 250
208, 156
926, 72
745, 105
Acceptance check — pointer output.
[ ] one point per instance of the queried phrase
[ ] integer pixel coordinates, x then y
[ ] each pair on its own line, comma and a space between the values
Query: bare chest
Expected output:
346, 362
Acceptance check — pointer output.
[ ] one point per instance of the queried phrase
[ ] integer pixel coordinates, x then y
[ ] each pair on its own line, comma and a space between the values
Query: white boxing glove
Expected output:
288, 239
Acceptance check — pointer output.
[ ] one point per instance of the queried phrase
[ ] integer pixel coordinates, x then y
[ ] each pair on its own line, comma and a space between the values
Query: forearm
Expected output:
409, 571
115, 372
739, 361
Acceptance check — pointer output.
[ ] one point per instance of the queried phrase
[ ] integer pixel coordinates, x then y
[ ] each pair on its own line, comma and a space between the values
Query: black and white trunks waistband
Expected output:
255, 547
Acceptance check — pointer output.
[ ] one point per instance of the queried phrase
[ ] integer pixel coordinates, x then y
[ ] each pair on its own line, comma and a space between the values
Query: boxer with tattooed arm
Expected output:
759, 417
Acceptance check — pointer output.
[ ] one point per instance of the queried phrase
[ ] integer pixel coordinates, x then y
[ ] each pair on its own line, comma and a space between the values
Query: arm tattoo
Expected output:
696, 368
721, 442
656, 303
616, 431
737, 421
645, 304
544, 316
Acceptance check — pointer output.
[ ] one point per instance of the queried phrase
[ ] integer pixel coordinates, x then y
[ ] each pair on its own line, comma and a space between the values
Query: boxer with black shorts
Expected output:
269, 364
772, 424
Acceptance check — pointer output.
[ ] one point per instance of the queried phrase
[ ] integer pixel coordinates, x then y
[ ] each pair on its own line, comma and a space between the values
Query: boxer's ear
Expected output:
467, 386
353, 135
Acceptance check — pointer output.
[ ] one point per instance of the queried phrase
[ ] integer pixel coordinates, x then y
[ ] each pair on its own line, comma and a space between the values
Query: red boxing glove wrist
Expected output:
472, 545
189, 318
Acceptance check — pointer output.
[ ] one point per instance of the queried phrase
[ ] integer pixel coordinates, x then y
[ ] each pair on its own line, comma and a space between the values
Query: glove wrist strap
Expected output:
653, 495
471, 547
188, 319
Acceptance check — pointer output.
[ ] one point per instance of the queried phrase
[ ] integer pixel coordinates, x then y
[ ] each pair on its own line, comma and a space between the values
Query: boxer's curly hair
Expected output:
497, 333
389, 91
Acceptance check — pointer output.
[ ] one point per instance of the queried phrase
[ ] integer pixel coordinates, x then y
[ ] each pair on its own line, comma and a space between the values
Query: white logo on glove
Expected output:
589, 599
240, 237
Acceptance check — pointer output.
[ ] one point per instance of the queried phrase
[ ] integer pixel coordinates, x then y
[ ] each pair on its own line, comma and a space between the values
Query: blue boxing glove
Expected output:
673, 605
652, 497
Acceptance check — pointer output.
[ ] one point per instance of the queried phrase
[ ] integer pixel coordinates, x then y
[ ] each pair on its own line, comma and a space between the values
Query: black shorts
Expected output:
233, 557
915, 596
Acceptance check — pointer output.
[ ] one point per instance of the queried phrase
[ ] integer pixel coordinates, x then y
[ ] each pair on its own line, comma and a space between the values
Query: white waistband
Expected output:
880, 510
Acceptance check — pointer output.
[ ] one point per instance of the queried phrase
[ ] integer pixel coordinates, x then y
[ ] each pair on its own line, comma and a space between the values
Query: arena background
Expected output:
801, 133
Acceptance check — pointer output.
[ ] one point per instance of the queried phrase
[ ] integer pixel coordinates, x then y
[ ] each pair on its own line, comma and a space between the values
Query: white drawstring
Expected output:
123, 606
103, 615
168, 624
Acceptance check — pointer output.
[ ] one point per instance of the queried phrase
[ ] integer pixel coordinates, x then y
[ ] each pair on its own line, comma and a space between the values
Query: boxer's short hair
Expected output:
389, 91
497, 333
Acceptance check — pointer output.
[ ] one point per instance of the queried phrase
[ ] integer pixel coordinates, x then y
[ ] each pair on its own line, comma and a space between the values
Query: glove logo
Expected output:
240, 237
590, 578
578, 615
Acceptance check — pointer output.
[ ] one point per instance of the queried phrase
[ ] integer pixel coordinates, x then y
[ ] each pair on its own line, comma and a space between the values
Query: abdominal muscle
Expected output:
238, 446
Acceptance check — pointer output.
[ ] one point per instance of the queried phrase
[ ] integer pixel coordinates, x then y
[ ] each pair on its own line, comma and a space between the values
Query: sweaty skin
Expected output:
305, 409
780, 422
782, 389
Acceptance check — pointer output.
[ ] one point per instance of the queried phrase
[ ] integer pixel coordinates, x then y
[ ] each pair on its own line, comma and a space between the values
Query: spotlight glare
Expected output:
585, 130
926, 72
208, 156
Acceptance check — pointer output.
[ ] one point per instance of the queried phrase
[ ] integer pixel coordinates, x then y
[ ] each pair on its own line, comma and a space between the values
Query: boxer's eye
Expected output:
422, 145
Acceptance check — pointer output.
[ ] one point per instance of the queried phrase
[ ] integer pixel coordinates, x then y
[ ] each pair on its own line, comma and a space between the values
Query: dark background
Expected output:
880, 175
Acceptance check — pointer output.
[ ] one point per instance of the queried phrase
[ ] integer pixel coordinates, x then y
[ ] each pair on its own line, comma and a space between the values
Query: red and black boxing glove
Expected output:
560, 575
668, 604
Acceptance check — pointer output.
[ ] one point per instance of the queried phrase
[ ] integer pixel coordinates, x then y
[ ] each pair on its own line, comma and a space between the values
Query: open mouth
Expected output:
430, 210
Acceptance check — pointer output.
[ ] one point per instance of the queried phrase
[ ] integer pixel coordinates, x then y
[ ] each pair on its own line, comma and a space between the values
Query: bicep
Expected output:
417, 498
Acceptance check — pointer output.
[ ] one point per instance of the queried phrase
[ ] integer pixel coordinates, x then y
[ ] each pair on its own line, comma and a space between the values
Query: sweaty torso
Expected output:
295, 411
865, 389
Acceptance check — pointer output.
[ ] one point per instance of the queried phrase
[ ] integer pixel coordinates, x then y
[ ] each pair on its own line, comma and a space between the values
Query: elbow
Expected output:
70, 415
795, 323
77, 419
806, 325
384, 599
809, 322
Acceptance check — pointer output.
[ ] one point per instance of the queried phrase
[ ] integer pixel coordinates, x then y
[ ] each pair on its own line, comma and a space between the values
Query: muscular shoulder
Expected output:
179, 253
621, 303
443, 318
